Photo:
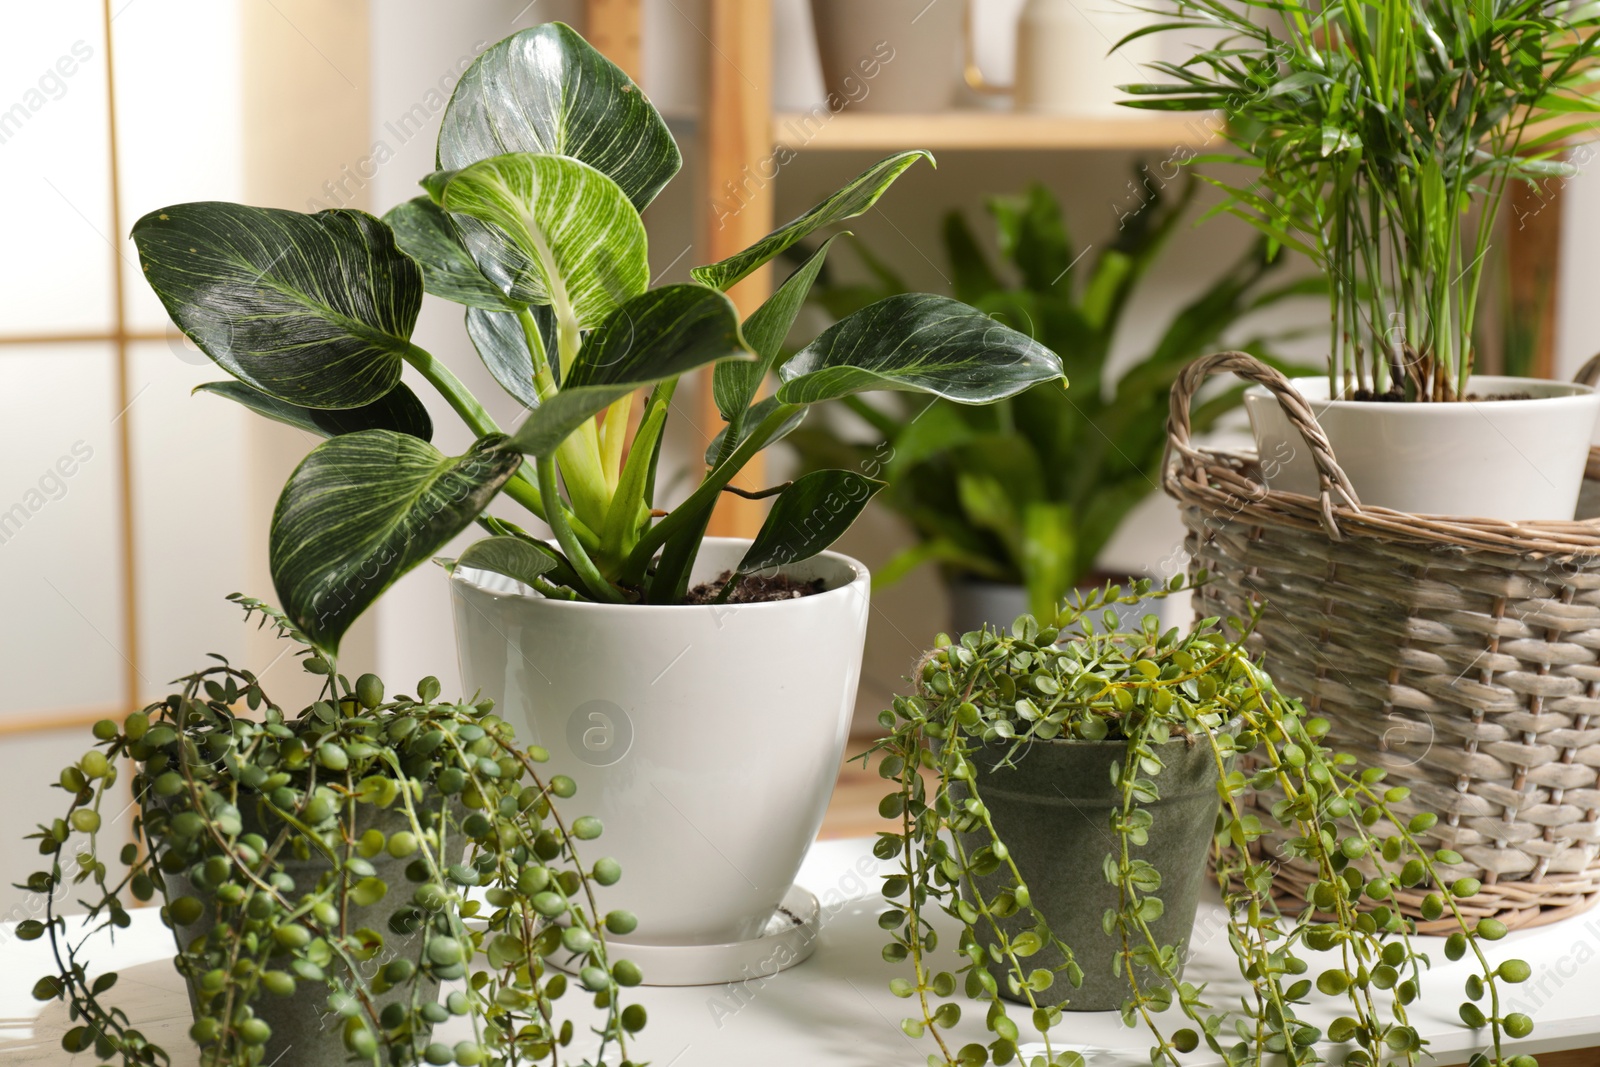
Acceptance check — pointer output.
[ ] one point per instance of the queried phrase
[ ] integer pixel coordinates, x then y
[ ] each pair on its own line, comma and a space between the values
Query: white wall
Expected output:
1577, 327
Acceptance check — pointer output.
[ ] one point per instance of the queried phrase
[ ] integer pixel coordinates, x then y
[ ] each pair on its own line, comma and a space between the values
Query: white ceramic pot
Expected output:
1518, 460
706, 738
1065, 65
889, 55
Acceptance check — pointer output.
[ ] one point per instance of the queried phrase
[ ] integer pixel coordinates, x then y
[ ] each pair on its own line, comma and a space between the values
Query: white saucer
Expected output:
790, 938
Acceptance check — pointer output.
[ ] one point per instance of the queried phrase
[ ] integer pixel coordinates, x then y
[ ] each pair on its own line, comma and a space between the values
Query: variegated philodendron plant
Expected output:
547, 155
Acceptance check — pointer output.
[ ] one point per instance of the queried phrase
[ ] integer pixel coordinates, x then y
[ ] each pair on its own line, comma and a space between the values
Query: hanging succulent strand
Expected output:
410, 800
1349, 951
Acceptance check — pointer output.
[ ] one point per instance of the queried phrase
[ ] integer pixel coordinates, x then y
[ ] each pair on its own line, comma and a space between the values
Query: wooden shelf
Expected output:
988, 130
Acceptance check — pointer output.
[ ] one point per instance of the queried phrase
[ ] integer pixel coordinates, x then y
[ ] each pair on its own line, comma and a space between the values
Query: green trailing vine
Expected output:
1350, 950
232, 794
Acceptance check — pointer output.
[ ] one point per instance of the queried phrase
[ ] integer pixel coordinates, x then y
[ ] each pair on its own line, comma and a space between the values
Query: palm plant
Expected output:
1380, 138
1028, 491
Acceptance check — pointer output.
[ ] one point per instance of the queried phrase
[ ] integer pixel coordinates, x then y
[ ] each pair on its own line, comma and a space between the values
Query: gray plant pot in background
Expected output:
974, 604
1053, 811
304, 1032
890, 55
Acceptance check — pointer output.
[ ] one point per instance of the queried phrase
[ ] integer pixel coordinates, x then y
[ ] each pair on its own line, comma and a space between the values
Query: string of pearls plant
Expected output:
232, 807
1350, 952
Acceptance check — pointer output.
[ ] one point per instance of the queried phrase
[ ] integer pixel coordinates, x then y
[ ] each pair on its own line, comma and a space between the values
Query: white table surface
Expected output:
835, 1008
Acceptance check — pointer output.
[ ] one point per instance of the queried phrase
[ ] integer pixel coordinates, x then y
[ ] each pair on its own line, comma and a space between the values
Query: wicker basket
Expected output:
1462, 655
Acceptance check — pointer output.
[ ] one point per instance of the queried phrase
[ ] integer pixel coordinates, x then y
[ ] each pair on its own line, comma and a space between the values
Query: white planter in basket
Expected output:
1518, 460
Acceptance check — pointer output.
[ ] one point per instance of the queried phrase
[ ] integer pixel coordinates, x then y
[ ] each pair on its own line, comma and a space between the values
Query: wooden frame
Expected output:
121, 340
738, 201
280, 88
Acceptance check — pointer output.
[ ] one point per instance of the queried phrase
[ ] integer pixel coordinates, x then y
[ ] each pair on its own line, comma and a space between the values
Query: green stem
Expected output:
521, 487
544, 381
453, 390
579, 455
573, 452
661, 394
669, 583
587, 485
728, 588
704, 496
909, 781
524, 492
594, 583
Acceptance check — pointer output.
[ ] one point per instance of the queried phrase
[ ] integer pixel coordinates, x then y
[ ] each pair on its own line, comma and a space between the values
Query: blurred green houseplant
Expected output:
1028, 491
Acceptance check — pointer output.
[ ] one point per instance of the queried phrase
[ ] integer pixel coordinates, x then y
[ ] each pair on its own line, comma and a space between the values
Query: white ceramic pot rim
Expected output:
1315, 388
502, 586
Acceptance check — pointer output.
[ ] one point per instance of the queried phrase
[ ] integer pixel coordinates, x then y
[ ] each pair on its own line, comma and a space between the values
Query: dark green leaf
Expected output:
546, 89
557, 232
856, 197
972, 276
734, 384
1033, 237
399, 410
919, 343
365, 508
665, 332
561, 573
313, 309
753, 418
807, 517
502, 344
425, 233
510, 556
662, 334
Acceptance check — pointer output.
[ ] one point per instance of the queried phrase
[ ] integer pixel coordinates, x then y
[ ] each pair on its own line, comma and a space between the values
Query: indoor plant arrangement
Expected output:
1143, 718
547, 154
1380, 140
1016, 501
324, 873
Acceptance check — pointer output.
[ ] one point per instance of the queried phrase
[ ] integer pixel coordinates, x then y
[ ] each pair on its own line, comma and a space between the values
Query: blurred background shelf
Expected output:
977, 130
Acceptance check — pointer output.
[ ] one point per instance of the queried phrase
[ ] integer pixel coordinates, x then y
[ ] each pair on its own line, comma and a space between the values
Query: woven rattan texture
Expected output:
1463, 656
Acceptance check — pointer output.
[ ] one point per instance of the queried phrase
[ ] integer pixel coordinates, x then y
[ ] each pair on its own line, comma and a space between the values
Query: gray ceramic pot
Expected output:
975, 604
1053, 811
304, 1032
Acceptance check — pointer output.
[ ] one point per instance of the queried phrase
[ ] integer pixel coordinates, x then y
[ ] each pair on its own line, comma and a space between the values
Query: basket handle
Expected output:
1330, 475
